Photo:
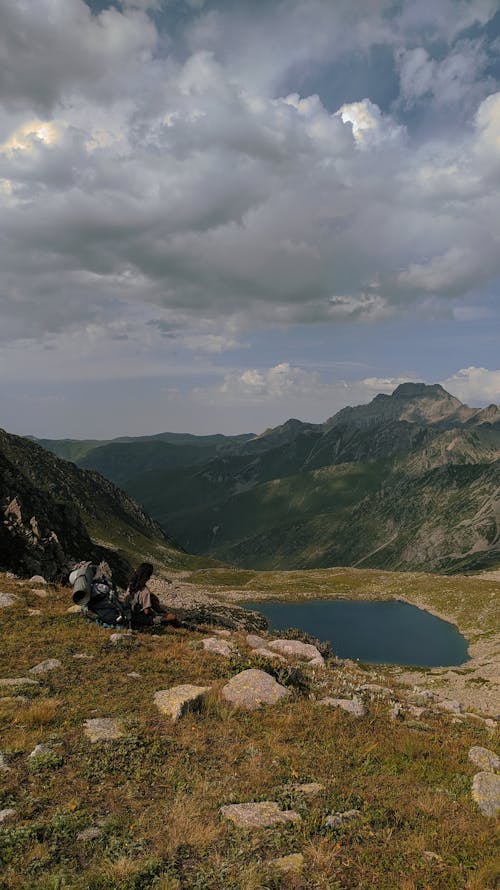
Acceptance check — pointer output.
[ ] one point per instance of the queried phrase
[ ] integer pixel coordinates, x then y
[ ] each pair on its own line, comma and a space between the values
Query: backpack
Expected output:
97, 597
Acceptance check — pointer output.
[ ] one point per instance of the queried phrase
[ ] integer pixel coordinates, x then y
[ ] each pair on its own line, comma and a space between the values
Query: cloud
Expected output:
291, 388
369, 126
478, 386
186, 178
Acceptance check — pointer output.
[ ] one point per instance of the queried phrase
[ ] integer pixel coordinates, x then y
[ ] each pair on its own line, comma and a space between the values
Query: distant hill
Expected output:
54, 514
409, 481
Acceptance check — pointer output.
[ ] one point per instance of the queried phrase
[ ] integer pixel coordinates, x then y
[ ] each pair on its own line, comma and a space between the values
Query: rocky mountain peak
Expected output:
421, 390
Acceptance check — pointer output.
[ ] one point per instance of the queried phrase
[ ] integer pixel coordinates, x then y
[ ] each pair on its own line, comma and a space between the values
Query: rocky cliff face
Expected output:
53, 514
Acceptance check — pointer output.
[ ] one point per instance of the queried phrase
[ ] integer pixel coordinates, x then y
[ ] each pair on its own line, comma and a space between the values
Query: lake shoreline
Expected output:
475, 684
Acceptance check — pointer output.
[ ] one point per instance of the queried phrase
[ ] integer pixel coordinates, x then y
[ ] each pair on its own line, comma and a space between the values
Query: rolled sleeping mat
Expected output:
82, 586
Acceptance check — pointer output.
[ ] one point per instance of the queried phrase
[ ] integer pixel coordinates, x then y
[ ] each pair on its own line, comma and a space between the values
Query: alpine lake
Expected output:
381, 632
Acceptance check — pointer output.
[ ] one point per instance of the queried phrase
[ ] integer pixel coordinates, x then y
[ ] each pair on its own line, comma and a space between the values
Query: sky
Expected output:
216, 215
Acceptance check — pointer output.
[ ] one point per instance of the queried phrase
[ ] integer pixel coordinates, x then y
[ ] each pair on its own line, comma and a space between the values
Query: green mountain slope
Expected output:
410, 481
54, 514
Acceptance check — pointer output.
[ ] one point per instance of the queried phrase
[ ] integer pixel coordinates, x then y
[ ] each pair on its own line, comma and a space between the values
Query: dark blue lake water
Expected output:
382, 632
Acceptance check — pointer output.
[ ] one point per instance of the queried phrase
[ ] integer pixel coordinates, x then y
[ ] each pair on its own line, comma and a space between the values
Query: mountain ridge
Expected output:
309, 495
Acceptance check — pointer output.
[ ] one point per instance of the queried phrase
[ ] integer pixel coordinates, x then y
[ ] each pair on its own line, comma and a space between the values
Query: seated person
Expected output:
145, 606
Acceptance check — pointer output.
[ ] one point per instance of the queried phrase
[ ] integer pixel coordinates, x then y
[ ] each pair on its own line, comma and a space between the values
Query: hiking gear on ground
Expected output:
97, 597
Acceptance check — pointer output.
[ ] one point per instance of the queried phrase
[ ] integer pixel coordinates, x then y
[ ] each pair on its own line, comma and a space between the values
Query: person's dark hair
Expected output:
140, 577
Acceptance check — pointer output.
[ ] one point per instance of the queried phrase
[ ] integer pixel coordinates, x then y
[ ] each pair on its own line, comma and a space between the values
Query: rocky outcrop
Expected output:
46, 505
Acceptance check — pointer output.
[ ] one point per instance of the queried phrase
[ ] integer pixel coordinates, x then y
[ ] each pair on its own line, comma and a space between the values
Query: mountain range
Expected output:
410, 481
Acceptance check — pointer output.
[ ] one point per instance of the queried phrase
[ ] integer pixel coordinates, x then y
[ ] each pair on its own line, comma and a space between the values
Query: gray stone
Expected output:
40, 593
351, 705
33, 612
123, 639
39, 751
292, 864
37, 579
431, 857
266, 653
258, 815
74, 610
375, 688
50, 664
339, 818
103, 729
3, 766
297, 649
486, 792
82, 656
218, 647
252, 688
221, 633
256, 642
8, 599
8, 813
453, 707
485, 759
176, 701
89, 834
308, 789
134, 675
18, 681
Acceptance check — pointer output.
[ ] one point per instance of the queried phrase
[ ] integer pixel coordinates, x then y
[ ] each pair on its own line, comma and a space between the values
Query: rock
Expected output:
134, 675
266, 653
292, 864
375, 688
352, 706
39, 751
103, 728
8, 813
218, 647
308, 789
42, 594
222, 633
486, 792
37, 579
18, 681
483, 758
431, 857
82, 656
252, 688
73, 610
123, 639
295, 648
339, 818
50, 664
3, 766
446, 704
258, 815
256, 642
89, 834
8, 599
177, 700
33, 612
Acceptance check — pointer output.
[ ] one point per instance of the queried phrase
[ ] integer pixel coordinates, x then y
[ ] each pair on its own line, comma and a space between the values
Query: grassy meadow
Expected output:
153, 796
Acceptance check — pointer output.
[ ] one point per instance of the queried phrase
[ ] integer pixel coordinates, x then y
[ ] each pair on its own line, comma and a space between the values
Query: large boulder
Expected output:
250, 689
297, 649
176, 701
